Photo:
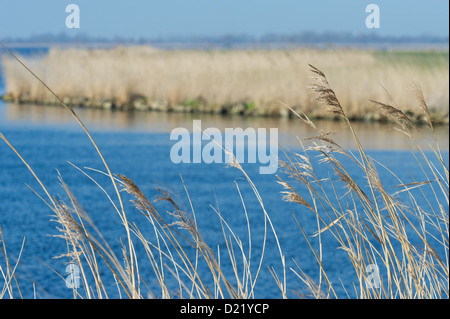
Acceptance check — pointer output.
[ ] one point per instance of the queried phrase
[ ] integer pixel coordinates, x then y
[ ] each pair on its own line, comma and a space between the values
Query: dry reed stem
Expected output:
410, 272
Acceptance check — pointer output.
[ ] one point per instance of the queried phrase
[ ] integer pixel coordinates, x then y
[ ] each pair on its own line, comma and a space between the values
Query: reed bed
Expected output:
408, 242
250, 82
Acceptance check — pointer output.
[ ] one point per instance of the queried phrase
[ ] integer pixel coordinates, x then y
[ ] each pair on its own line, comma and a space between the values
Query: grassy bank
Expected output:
259, 82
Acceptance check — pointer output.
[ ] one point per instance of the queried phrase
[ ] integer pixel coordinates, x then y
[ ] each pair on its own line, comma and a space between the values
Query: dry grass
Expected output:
250, 82
373, 226
367, 222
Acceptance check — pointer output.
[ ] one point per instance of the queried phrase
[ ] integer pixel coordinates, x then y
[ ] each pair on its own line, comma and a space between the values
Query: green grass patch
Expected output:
250, 106
194, 103
420, 58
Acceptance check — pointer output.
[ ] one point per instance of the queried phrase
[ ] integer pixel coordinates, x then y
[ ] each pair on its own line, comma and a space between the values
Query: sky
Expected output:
166, 18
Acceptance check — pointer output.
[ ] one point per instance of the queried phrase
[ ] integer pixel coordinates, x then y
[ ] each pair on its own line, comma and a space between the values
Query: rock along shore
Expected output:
139, 103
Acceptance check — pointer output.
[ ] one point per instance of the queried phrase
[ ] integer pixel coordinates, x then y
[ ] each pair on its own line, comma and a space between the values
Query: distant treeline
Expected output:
231, 40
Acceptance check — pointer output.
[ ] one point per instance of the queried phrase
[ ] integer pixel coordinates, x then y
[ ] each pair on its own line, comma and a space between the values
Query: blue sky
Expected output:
140, 18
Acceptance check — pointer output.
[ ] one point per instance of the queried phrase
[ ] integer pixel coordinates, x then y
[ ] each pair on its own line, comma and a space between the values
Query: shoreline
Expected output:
243, 109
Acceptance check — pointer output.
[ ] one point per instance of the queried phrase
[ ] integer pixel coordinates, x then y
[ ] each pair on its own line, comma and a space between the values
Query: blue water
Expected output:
143, 156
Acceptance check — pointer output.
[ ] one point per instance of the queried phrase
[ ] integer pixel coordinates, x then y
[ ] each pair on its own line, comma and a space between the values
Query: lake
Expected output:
137, 144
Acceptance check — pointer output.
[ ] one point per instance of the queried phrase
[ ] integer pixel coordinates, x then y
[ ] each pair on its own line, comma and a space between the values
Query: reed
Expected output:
373, 226
238, 82
370, 224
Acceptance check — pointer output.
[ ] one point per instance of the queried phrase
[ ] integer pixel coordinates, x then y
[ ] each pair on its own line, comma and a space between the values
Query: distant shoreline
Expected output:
389, 46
